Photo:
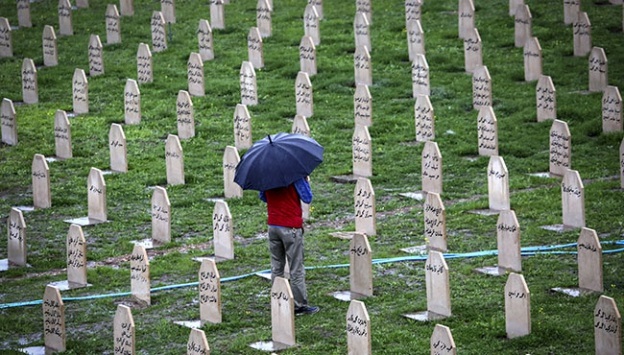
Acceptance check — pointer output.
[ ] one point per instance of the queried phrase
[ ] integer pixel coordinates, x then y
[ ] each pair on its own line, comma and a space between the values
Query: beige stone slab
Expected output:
124, 331
96, 56
365, 7
431, 168
82, 4
30, 87
282, 312
413, 10
8, 121
217, 14
145, 73
118, 149
434, 215
363, 106
65, 18
442, 341
508, 241
360, 265
167, 7
487, 131
54, 334
361, 29
517, 306
481, 88
589, 259
6, 38
209, 292
231, 158
174, 159
76, 247
473, 53
513, 6
571, 9
358, 329
546, 99
197, 343
62, 135
437, 284
364, 202
96, 195
159, 33
185, 115
424, 119
307, 56
16, 233
255, 51
465, 18
23, 13
363, 66
573, 200
126, 7
205, 40
113, 25
132, 102
242, 127
80, 92
161, 216
560, 148
304, 96
248, 85
263, 18
581, 28
311, 24
598, 70
415, 39
362, 149
607, 327
195, 73
223, 231
318, 4
42, 198
532, 59
49, 46
140, 275
420, 76
522, 25
611, 110
300, 126
498, 184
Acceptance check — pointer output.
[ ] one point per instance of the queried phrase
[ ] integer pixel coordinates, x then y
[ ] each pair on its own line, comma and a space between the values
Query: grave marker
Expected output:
513, 6
415, 39
205, 39
197, 343
303, 95
230, 161
598, 77
424, 119
365, 214
498, 184
360, 267
589, 259
140, 275
50, 49
573, 200
420, 76
96, 195
223, 231
96, 56
311, 26
282, 313
242, 127
248, 86
546, 99
65, 18
54, 335
571, 9
80, 90
82, 4
466, 18
363, 66
435, 222
8, 122
195, 71
358, 329
607, 327
365, 6
532, 59
126, 7
76, 257
263, 18
413, 10
481, 88
132, 102
307, 56
145, 73
361, 29
167, 7
209, 293
487, 129
508, 241
431, 168
62, 135
582, 34
217, 16
560, 148
118, 149
362, 152
300, 126
442, 341
255, 48
319, 7
622, 164
522, 28
30, 89
517, 306
124, 331
161, 216
159, 34
174, 158
473, 55
611, 110
363, 106
113, 25
438, 288
16, 232
6, 41
41, 182
23, 13
185, 115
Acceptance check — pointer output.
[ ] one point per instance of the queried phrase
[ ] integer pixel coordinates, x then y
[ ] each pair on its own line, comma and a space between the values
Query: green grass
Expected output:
560, 324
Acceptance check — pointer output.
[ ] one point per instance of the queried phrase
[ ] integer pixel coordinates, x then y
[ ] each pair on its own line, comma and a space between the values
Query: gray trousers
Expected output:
287, 243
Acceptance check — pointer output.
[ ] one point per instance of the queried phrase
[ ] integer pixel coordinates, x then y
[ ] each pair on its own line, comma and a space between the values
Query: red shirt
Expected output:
284, 207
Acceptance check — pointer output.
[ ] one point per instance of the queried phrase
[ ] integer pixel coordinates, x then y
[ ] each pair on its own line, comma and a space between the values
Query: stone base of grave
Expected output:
84, 221
267, 275
35, 350
109, 172
26, 208
194, 324
418, 195
214, 199
492, 270
68, 285
343, 235
542, 175
147, 243
216, 259
487, 212
559, 228
4, 264
345, 179
418, 250
270, 346
572, 292
424, 316
347, 296
53, 159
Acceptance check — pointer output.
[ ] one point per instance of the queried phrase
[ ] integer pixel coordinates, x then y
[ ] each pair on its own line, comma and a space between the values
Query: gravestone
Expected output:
311, 26
622, 164
76, 257
96, 56
167, 7
481, 88
124, 331
248, 86
16, 232
145, 72
307, 56
118, 149
222, 231
435, 222
487, 130
513, 6
598, 66
242, 128
413, 10
319, 7
140, 275
582, 34
420, 76
197, 343
431, 168
65, 18
415, 39
209, 293
442, 341
230, 161
364, 202
30, 88
54, 335
174, 159
498, 184
522, 27
217, 16
50, 48
517, 306
132, 102
80, 91
508, 241
263, 18
205, 40
255, 48
546, 99
96, 196
358, 329
365, 7
363, 106
8, 122
362, 152
363, 66
473, 54
82, 4
303, 95
611, 110
185, 115
282, 318
607, 327
424, 119
560, 148
41, 182
23, 13
113, 25
62, 135
466, 18
573, 200
159, 34
360, 267
361, 29
195, 72
126, 7
6, 41
437, 284
300, 126
161, 216
589, 259
571, 9
532, 59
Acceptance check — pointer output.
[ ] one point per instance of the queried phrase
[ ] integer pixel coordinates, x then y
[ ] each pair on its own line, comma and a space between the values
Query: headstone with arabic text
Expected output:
195, 73
209, 292
513, 6
42, 197
571, 9
361, 29
431, 168
140, 275
23, 13
263, 18
30, 87
230, 161
362, 149
96, 195
248, 85
50, 48
124, 331
363, 66
16, 232
8, 122
364, 202
319, 7
424, 119
466, 17
582, 34
159, 34
420, 76
508, 241
560, 148
113, 25
546, 99
6, 38
311, 25
532, 59
304, 99
481, 88
282, 313
118, 149
242, 127
589, 260
360, 267
442, 341
598, 70
96, 56
487, 132
174, 159
82, 4
145, 73
517, 306
197, 343
365, 7
54, 334
611, 109
437, 284
217, 14
185, 115
607, 327
126, 7
415, 39
205, 40
498, 184
167, 7
413, 10
65, 18
62, 135
473, 55
76, 257
358, 329
255, 51
435, 222
522, 27
573, 200
80, 92
300, 126
132, 102
222, 231
307, 55
160, 209
363, 106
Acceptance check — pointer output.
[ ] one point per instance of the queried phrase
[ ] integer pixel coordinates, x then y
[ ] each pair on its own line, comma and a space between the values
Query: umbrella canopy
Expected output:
278, 160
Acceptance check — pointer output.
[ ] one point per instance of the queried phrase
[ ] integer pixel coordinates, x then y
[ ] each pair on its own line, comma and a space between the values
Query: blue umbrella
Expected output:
278, 160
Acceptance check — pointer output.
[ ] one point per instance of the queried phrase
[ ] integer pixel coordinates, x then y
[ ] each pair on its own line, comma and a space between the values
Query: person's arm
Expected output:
262, 196
303, 189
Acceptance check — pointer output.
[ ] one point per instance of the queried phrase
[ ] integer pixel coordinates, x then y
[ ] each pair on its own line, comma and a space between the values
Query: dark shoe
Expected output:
306, 310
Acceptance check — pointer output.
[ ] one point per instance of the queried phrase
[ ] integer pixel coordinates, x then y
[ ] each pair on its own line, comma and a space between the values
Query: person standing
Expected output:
285, 223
